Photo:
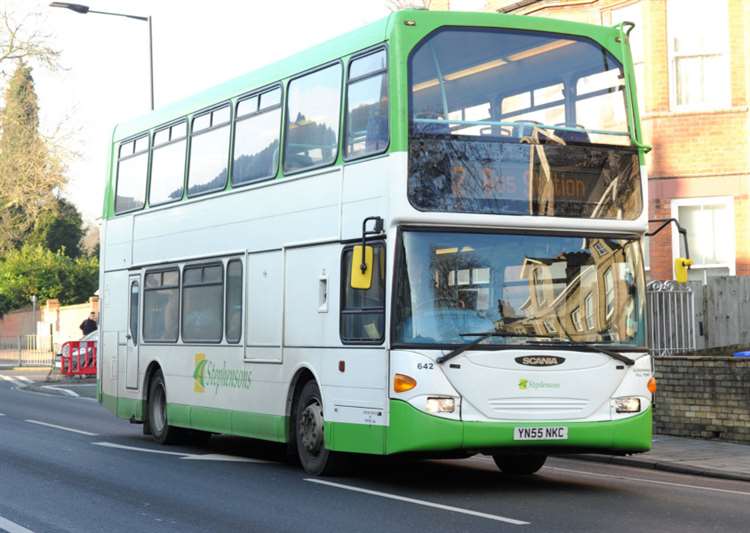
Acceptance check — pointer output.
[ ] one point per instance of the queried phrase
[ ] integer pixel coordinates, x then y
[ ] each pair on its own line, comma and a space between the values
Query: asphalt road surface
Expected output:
66, 464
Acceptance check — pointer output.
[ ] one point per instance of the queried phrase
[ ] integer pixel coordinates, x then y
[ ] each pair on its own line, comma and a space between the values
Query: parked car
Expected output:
86, 356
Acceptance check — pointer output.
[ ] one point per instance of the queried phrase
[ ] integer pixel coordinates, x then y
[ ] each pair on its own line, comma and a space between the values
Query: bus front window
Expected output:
452, 286
521, 123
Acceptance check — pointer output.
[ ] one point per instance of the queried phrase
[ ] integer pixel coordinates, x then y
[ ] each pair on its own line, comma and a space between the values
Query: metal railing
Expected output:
671, 318
27, 350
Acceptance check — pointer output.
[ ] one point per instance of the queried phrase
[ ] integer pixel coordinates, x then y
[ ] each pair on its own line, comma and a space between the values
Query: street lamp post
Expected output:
83, 10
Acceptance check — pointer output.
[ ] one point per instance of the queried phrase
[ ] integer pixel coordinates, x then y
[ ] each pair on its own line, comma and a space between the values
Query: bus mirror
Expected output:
361, 267
681, 266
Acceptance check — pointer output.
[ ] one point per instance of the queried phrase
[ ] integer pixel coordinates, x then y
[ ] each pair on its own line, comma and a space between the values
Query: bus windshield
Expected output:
520, 122
452, 286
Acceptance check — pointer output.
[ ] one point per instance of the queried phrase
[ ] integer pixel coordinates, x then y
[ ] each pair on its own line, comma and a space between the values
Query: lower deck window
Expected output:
202, 307
363, 310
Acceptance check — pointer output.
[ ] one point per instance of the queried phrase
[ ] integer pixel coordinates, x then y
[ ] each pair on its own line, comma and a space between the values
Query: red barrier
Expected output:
78, 358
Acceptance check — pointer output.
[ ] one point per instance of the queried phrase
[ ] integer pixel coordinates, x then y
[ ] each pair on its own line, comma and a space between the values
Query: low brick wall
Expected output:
703, 397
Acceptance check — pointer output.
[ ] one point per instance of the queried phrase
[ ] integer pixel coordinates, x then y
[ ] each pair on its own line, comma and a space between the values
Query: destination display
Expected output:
511, 178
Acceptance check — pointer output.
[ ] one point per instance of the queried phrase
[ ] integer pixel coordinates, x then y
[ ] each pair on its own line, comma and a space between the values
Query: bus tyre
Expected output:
519, 465
315, 458
158, 424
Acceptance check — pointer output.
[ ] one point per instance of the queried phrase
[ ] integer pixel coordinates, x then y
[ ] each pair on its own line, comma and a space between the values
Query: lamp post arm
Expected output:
136, 17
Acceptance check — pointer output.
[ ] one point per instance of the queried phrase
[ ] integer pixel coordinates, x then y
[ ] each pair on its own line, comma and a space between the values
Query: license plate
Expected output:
540, 433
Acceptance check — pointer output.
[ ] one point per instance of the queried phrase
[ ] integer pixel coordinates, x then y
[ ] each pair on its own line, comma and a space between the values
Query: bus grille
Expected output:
538, 405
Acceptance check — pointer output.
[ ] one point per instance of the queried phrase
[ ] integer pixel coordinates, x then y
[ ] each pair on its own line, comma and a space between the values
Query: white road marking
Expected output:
25, 379
183, 455
9, 379
55, 426
2, 414
421, 502
60, 389
136, 449
222, 457
652, 481
12, 527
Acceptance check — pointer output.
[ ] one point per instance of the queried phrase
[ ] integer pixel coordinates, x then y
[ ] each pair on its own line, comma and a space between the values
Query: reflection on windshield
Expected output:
473, 176
582, 289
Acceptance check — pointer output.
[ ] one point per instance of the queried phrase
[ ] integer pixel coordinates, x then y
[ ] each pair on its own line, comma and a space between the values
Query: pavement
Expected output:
698, 457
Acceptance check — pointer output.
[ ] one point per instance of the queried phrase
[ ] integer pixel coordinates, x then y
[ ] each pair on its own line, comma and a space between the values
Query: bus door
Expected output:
133, 329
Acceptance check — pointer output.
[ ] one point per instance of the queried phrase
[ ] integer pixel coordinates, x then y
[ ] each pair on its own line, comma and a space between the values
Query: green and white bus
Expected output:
421, 237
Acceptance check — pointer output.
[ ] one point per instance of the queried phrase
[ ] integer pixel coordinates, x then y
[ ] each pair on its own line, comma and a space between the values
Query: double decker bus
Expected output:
421, 237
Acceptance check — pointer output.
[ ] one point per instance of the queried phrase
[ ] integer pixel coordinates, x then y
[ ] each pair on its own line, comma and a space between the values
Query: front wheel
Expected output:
519, 465
309, 434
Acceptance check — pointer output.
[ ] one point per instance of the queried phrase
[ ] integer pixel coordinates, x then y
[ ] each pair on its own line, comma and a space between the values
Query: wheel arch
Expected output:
301, 376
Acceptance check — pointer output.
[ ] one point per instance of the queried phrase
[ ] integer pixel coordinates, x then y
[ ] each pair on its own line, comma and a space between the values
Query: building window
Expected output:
609, 291
589, 306
549, 326
575, 317
710, 228
202, 294
633, 13
161, 305
698, 47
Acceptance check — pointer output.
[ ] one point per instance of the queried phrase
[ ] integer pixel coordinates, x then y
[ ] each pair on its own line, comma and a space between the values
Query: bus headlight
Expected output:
440, 405
629, 404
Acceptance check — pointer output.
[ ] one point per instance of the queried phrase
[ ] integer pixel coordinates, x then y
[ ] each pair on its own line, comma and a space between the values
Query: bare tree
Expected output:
21, 40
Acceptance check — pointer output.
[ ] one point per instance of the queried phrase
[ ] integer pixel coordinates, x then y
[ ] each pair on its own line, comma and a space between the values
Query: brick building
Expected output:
691, 59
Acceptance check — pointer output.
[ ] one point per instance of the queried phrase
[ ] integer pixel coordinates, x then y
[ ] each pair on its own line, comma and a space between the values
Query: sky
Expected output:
104, 79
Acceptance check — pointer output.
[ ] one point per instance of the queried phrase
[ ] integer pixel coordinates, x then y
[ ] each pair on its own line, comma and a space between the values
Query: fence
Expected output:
719, 316
27, 350
671, 318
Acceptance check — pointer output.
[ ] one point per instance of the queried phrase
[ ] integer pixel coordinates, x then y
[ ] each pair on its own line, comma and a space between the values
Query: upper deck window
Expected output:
312, 128
499, 82
520, 123
168, 164
256, 137
367, 106
209, 152
132, 170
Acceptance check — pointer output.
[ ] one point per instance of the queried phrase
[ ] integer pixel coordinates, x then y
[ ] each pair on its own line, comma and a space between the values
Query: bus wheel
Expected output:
519, 465
316, 459
158, 424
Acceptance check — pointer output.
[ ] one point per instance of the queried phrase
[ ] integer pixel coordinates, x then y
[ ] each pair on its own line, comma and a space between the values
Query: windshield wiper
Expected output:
461, 349
561, 344
584, 347
482, 336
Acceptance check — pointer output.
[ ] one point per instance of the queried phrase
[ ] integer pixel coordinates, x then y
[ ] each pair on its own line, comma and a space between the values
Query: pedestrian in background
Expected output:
89, 325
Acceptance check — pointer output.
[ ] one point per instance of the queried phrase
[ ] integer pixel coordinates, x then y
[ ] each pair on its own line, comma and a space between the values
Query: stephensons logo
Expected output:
525, 384
209, 376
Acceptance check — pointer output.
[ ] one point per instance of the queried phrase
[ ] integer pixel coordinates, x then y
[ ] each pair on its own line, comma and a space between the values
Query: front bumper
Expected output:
411, 430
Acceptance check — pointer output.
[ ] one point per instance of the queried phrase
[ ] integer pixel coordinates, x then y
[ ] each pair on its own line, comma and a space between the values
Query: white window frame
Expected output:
728, 203
588, 305
721, 50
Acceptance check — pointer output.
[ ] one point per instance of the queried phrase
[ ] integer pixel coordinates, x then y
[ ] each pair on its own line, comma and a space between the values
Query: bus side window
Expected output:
367, 106
132, 170
202, 303
363, 310
209, 152
256, 138
234, 301
312, 124
161, 304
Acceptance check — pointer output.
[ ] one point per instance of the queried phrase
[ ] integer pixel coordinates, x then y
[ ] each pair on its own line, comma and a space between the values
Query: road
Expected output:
66, 464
